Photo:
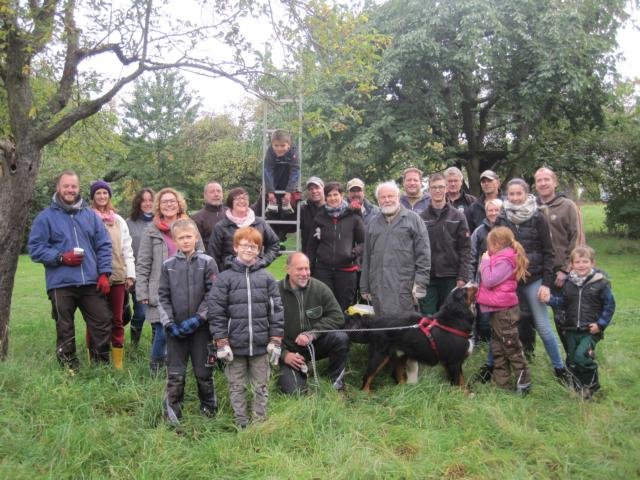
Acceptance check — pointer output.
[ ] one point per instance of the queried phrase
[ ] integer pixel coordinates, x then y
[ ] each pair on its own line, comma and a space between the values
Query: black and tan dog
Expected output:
443, 338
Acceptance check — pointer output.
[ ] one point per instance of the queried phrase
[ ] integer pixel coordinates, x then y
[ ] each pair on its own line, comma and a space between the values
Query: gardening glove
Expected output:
274, 350
172, 330
103, 284
190, 325
418, 291
225, 354
71, 258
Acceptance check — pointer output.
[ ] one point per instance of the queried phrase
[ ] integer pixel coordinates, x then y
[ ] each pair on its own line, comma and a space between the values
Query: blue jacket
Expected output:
55, 231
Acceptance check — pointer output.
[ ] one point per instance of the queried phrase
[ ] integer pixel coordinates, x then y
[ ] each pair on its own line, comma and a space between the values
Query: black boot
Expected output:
564, 376
207, 396
173, 398
136, 333
483, 375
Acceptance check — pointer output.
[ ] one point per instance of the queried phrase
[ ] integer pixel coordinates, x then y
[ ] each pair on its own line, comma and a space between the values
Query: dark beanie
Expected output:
97, 185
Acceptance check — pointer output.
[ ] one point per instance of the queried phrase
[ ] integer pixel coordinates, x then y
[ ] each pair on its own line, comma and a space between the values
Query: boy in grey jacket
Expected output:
185, 281
247, 324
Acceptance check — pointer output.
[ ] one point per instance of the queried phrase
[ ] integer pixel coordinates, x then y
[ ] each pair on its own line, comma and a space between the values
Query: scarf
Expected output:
335, 212
108, 218
147, 217
165, 229
578, 280
74, 208
242, 221
520, 213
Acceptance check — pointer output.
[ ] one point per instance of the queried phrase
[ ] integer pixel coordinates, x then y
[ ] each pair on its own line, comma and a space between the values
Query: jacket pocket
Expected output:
314, 313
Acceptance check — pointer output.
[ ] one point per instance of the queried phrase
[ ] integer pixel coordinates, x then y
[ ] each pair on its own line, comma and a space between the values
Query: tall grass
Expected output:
106, 424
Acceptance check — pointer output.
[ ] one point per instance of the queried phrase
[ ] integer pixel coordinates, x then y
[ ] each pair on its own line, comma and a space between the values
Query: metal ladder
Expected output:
273, 110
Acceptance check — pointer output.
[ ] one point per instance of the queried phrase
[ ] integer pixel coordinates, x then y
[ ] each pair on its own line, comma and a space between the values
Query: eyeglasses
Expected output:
248, 248
168, 202
241, 197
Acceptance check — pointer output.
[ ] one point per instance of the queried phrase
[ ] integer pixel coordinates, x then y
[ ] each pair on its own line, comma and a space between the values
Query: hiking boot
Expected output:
208, 411
483, 375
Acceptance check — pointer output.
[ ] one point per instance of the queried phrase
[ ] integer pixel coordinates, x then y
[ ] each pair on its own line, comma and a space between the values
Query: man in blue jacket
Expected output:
75, 248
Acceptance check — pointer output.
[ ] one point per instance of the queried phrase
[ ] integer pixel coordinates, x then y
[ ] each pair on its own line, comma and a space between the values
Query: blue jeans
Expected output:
159, 344
540, 314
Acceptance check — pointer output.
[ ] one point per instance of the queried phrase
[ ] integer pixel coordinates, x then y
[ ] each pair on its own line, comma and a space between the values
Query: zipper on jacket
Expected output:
579, 307
250, 312
75, 234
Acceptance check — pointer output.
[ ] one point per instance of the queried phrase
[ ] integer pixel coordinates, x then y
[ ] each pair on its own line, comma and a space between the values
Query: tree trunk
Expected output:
16, 192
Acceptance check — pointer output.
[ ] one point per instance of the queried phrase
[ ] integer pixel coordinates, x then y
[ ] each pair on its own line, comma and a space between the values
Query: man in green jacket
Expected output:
309, 306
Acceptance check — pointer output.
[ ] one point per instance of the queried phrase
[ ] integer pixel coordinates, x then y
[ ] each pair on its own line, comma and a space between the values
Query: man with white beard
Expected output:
396, 262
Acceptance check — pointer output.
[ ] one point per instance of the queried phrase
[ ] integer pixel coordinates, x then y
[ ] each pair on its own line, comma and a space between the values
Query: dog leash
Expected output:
377, 329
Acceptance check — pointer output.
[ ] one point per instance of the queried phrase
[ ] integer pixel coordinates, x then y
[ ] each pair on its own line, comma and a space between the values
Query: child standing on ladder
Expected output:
281, 173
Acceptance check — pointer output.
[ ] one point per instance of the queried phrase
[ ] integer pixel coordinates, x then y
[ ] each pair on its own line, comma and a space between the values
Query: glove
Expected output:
274, 350
103, 284
225, 354
71, 259
418, 291
190, 325
172, 330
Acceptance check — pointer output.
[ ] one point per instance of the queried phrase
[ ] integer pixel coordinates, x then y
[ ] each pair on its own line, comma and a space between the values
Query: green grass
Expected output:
102, 424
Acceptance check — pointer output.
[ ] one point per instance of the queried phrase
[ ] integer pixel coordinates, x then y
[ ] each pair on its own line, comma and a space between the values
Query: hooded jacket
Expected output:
246, 308
565, 225
498, 284
58, 229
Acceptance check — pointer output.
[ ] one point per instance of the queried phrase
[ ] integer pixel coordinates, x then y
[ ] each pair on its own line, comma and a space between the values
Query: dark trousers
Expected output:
526, 327
508, 355
437, 292
342, 284
334, 345
116, 302
96, 314
179, 350
581, 353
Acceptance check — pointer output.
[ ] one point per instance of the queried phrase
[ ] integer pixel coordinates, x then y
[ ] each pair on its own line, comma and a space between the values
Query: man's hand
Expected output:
594, 328
71, 259
103, 285
561, 277
304, 339
295, 361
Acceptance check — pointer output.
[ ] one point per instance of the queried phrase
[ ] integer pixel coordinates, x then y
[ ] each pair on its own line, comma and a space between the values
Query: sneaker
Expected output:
287, 208
272, 208
483, 375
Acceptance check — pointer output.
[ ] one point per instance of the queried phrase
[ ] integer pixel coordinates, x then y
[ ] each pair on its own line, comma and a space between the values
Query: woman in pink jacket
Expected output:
501, 267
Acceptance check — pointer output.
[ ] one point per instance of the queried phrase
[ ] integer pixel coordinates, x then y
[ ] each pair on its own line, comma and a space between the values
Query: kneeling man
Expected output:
309, 305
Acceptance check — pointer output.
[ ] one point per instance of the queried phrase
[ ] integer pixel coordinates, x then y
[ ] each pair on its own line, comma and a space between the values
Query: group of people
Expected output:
202, 284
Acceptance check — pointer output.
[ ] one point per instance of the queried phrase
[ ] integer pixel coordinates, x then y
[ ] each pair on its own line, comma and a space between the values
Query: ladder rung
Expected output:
282, 222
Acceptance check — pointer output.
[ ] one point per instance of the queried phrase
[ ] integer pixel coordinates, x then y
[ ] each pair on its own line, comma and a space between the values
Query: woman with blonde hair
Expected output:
156, 245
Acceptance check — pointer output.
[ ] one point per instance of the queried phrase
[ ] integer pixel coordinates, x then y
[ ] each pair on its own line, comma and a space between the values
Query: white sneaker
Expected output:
272, 208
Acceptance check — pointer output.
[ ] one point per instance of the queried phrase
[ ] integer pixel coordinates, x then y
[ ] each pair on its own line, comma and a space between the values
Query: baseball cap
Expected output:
315, 181
490, 174
355, 182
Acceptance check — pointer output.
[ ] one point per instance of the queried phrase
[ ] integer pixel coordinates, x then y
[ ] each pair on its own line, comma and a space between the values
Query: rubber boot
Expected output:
117, 355
136, 333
